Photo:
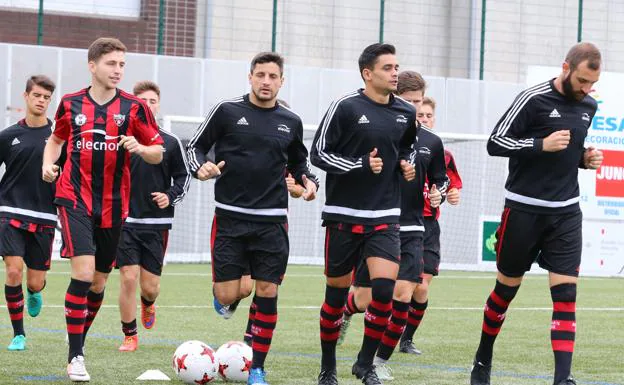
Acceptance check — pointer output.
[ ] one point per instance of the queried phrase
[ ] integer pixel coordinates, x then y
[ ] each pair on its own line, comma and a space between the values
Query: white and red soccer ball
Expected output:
194, 363
234, 360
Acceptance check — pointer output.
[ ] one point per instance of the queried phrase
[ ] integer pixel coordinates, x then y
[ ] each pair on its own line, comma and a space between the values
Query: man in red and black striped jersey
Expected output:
543, 135
156, 190
431, 241
102, 126
27, 212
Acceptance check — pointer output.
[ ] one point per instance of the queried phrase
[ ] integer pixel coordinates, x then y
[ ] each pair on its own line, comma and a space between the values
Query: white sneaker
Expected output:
77, 371
384, 372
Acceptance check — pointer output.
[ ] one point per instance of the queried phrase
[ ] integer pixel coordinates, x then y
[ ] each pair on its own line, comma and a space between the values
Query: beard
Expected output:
569, 92
262, 97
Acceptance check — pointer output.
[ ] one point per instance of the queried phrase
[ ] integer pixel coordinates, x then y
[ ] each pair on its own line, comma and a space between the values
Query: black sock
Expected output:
252, 315
331, 319
31, 292
14, 297
146, 302
493, 318
263, 327
414, 318
563, 328
129, 328
75, 315
94, 302
376, 319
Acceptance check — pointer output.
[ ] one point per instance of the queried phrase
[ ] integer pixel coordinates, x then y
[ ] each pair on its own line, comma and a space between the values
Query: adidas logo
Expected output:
363, 120
15, 141
242, 121
555, 114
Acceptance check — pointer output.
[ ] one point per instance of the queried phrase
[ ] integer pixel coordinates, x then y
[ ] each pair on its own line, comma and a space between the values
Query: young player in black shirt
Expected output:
27, 212
156, 190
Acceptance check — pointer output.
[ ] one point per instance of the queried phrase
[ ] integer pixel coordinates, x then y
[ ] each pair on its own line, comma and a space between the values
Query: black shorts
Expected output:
144, 247
35, 247
431, 246
82, 237
410, 267
555, 242
346, 245
241, 247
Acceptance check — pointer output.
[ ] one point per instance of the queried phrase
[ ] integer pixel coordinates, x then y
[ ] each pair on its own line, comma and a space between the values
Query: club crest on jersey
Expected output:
119, 119
80, 120
283, 128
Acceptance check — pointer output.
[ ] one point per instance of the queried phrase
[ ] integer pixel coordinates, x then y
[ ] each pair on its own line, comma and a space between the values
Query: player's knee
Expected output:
382, 289
36, 285
403, 293
224, 295
13, 275
98, 284
150, 289
266, 289
245, 291
128, 276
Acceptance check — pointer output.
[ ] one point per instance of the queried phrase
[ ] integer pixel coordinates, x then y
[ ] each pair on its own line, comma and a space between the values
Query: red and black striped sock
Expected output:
414, 318
75, 315
129, 329
493, 318
262, 329
376, 319
351, 308
395, 328
563, 328
252, 315
14, 297
94, 302
331, 319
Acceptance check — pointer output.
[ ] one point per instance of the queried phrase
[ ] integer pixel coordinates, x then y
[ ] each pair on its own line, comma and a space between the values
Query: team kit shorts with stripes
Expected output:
143, 247
242, 247
32, 242
347, 246
555, 242
81, 236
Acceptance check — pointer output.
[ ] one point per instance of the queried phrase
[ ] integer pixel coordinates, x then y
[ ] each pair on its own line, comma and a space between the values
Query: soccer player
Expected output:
431, 254
254, 138
428, 157
27, 212
363, 143
102, 126
156, 189
542, 134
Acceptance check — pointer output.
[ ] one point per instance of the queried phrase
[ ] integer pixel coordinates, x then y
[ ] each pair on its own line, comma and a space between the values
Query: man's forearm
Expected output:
153, 154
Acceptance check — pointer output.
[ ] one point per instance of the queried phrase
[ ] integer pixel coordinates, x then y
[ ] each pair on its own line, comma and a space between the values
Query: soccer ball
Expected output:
194, 362
234, 359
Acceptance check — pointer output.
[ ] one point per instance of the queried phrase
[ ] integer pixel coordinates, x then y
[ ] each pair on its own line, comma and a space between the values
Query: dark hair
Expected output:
40, 80
369, 56
430, 101
268, 57
581, 52
410, 81
104, 45
146, 85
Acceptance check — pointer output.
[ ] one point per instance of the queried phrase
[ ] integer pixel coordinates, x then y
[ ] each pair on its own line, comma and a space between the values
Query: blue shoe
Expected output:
34, 303
223, 310
18, 343
256, 377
